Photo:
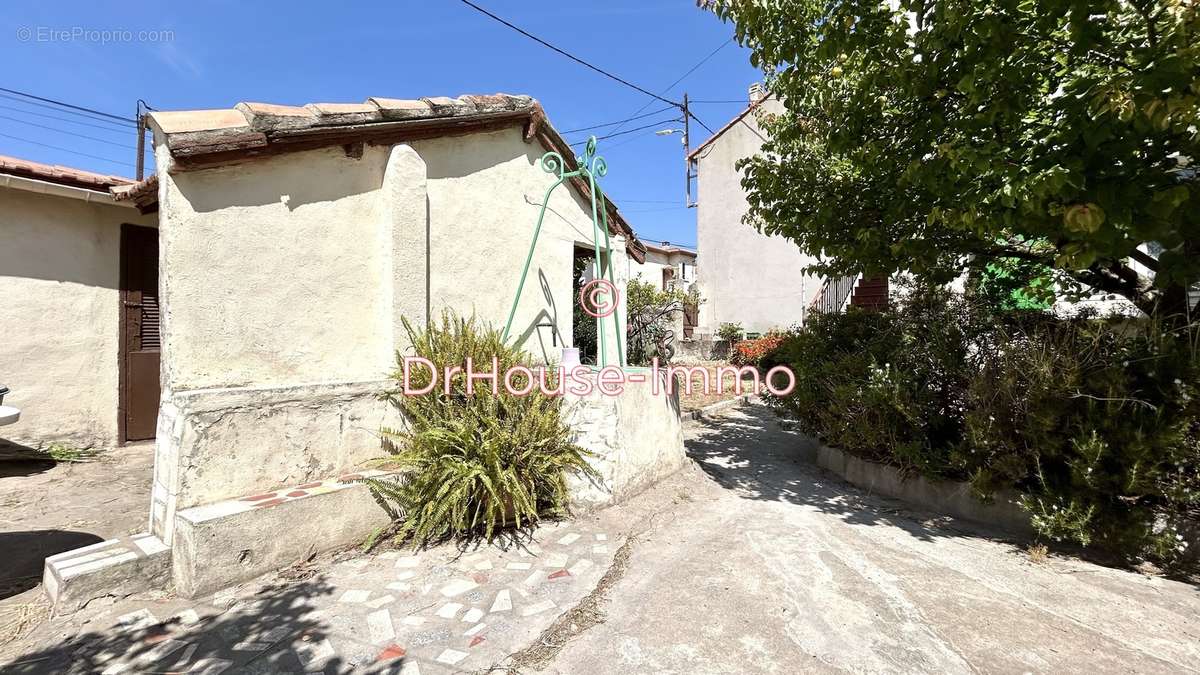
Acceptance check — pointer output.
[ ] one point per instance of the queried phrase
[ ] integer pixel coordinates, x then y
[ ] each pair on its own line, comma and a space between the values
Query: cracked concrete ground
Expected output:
770, 565
750, 561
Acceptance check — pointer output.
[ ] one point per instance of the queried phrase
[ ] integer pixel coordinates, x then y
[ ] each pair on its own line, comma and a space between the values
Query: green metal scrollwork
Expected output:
589, 167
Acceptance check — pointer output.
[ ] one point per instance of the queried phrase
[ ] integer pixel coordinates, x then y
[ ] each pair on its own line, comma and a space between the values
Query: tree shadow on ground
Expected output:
755, 455
274, 631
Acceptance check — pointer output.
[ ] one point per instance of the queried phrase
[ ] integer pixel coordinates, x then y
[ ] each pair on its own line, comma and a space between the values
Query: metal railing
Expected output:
834, 294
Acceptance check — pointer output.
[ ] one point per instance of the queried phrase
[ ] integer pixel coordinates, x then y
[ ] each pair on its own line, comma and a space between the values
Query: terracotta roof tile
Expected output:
269, 116
346, 113
402, 109
187, 121
60, 175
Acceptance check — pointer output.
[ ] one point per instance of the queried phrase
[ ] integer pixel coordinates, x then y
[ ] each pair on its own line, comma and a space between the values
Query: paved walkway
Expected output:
776, 567
750, 562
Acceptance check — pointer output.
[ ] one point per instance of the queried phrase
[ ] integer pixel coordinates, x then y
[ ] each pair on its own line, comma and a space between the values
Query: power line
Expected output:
574, 58
666, 208
74, 152
630, 131
69, 133
112, 129
69, 105
689, 72
69, 112
742, 101
609, 124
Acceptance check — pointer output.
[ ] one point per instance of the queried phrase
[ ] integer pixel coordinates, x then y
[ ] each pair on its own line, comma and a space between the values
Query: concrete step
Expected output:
225, 543
117, 567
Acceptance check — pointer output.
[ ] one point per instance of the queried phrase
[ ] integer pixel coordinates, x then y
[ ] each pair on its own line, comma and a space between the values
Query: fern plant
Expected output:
472, 463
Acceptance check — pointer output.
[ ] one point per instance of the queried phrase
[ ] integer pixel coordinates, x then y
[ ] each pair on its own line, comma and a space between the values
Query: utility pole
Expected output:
141, 144
687, 150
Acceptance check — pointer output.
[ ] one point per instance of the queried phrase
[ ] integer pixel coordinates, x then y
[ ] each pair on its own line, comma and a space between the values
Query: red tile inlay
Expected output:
257, 498
297, 493
476, 640
309, 486
350, 477
480, 577
559, 574
392, 651
272, 502
155, 634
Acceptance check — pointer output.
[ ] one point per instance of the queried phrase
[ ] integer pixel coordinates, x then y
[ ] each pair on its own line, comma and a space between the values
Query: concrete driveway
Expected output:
757, 562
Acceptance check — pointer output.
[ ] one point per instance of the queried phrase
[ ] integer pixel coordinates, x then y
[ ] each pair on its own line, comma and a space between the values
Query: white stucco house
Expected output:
278, 249
667, 266
70, 254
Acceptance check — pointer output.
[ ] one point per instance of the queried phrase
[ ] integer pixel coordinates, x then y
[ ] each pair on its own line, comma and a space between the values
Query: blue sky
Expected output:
222, 52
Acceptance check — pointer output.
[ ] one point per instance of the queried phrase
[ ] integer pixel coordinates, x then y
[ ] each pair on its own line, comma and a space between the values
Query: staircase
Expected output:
838, 293
870, 294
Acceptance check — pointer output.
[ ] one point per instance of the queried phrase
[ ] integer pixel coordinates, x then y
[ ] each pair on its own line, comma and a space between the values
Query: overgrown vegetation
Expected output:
1095, 421
651, 312
730, 332
471, 463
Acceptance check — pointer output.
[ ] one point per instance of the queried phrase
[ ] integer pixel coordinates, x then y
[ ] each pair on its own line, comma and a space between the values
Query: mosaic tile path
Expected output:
438, 611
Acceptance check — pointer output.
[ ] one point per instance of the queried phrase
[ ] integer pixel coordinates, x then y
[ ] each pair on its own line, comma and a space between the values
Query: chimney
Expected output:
757, 92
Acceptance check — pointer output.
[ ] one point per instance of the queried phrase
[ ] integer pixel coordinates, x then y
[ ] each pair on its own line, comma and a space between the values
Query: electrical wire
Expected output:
38, 113
574, 58
73, 152
609, 124
69, 133
70, 105
689, 72
630, 131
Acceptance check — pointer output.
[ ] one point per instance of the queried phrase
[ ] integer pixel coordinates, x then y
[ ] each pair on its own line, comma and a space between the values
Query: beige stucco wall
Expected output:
59, 266
744, 276
316, 220
484, 192
656, 261
284, 280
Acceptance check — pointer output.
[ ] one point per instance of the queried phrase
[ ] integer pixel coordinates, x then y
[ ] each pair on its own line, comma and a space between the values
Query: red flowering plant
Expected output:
751, 352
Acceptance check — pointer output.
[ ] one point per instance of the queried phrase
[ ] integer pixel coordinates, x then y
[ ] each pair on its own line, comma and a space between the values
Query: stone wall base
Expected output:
636, 438
951, 498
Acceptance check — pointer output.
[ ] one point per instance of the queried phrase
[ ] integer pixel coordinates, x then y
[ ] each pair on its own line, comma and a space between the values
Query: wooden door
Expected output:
140, 345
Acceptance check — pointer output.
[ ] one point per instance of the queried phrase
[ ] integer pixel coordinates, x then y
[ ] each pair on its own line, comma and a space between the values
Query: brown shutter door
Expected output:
140, 341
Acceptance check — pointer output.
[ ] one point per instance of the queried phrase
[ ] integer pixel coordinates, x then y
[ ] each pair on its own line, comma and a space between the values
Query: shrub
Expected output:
650, 312
730, 332
471, 463
751, 352
1096, 422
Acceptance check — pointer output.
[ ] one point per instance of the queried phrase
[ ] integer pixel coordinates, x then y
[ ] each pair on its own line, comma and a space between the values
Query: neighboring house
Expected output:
73, 271
667, 266
745, 276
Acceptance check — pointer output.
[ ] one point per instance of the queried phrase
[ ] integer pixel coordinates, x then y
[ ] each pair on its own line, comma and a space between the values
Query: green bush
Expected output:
1095, 421
472, 463
730, 332
1098, 423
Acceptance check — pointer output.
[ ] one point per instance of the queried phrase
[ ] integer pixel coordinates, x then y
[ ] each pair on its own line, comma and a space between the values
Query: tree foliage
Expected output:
926, 135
